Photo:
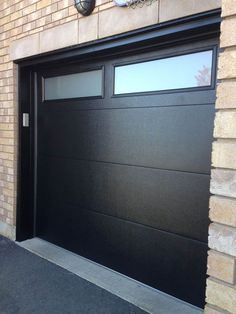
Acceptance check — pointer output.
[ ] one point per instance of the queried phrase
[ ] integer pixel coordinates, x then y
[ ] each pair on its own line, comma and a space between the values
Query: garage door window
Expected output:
185, 71
85, 84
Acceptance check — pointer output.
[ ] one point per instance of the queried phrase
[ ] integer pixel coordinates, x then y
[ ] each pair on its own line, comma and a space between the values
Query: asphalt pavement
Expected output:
32, 285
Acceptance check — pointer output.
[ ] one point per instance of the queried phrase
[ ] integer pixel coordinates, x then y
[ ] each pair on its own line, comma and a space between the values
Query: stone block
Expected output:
88, 28
119, 20
25, 47
170, 9
227, 64
223, 296
223, 182
224, 154
221, 266
7, 230
228, 34
228, 7
210, 309
59, 37
225, 124
222, 238
226, 95
223, 210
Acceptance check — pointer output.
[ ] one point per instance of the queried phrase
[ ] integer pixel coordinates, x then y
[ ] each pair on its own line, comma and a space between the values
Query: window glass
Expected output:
85, 84
185, 71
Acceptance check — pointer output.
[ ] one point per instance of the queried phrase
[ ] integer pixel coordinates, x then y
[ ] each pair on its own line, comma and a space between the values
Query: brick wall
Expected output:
221, 285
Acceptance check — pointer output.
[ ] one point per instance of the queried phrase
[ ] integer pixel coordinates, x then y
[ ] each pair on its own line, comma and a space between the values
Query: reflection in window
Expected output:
185, 71
85, 84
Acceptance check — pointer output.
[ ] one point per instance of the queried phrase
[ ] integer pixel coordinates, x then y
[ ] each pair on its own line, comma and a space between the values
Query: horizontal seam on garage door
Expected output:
121, 164
142, 224
118, 108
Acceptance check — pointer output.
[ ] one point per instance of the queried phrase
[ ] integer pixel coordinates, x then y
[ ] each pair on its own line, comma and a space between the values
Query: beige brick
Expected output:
16, 31
16, 15
19, 6
6, 126
28, 27
118, 20
227, 64
222, 238
228, 7
8, 26
72, 10
170, 9
223, 296
29, 9
21, 21
223, 210
3, 67
228, 34
63, 4
5, 20
43, 3
226, 95
48, 10
224, 154
60, 14
25, 47
34, 16
225, 124
43, 21
59, 37
88, 28
221, 266
9, 10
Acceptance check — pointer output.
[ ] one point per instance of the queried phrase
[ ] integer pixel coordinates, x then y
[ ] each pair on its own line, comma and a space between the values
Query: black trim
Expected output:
25, 173
187, 29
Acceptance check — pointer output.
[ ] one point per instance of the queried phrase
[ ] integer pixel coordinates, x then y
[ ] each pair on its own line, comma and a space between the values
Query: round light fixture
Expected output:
85, 7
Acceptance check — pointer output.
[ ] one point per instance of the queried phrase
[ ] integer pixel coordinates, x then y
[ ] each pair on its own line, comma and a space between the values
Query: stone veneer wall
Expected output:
221, 285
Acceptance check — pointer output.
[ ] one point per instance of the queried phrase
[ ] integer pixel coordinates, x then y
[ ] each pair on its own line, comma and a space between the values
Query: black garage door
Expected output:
123, 159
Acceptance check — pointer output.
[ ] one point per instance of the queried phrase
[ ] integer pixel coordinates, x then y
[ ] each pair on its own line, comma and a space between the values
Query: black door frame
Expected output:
188, 29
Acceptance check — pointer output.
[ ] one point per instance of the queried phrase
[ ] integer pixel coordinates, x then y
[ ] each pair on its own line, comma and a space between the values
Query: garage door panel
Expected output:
162, 99
151, 256
124, 179
176, 138
162, 199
